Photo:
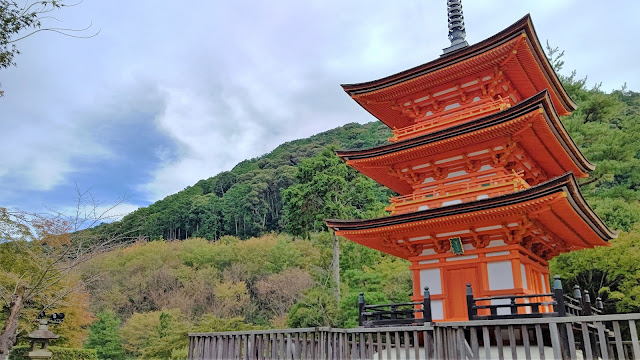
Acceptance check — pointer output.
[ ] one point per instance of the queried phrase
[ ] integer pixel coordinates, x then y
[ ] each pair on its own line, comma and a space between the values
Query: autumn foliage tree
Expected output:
49, 247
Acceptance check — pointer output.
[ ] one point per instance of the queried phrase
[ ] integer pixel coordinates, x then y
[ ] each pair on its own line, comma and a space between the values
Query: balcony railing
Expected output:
459, 192
570, 337
395, 314
449, 118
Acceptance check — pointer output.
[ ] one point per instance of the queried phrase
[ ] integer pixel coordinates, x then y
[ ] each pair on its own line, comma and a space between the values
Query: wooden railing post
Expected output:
514, 308
426, 305
586, 304
361, 309
561, 310
559, 297
471, 311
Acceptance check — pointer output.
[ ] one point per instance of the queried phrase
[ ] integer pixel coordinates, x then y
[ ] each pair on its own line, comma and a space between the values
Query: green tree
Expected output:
19, 21
105, 338
327, 188
155, 335
610, 272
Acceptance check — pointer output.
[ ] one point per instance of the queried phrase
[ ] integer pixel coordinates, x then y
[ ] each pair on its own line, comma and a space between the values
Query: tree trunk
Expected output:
10, 329
335, 267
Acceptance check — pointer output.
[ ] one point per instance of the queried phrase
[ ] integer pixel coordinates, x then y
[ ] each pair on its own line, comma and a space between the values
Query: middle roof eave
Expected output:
565, 183
540, 100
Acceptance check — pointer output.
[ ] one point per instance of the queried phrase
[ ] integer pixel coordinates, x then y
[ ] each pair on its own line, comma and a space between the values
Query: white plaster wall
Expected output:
524, 276
431, 278
502, 310
500, 275
497, 253
437, 312
452, 202
462, 257
495, 243
428, 252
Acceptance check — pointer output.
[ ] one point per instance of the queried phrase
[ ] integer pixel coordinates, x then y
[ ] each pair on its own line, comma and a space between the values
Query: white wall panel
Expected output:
431, 278
500, 275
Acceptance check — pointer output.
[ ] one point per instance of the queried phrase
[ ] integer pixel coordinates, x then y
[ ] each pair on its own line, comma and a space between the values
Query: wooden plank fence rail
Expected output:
571, 337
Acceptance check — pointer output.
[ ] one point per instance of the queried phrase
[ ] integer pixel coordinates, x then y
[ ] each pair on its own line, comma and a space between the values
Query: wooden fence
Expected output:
584, 337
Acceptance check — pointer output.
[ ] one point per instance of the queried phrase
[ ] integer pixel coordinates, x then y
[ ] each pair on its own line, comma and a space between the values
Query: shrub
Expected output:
58, 353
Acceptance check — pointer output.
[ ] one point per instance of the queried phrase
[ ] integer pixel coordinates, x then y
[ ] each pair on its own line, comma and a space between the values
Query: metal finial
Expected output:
457, 32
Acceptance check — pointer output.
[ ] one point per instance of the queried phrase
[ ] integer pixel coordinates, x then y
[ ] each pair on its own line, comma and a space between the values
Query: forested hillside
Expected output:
245, 201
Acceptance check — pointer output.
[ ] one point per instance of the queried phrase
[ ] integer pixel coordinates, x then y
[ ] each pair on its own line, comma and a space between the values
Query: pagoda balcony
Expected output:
458, 192
448, 118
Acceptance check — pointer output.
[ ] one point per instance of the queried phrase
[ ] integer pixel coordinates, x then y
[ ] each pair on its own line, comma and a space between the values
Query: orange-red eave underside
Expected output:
538, 130
556, 204
374, 95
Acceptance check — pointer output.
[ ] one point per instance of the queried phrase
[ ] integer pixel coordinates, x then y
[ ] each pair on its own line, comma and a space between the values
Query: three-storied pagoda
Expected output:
485, 171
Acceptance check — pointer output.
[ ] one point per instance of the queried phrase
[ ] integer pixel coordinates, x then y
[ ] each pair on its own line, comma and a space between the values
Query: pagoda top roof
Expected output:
371, 160
565, 185
465, 61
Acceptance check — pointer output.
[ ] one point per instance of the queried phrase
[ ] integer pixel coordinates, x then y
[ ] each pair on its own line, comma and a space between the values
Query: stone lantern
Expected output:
40, 341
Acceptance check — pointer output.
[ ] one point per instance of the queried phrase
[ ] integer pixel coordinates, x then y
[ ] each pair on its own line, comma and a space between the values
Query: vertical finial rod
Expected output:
457, 32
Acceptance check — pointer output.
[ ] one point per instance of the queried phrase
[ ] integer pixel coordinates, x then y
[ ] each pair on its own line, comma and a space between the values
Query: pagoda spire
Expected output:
457, 31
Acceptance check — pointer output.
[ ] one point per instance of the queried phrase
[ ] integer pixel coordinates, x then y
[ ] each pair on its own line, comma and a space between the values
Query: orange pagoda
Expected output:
485, 171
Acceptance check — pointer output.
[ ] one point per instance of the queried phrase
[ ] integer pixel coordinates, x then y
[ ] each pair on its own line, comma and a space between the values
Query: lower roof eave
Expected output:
565, 185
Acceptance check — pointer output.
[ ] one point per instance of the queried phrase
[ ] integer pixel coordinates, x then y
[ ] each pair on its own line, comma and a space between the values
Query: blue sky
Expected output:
173, 92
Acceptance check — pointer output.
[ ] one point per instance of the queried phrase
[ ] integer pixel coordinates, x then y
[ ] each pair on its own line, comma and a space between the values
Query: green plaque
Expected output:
456, 246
